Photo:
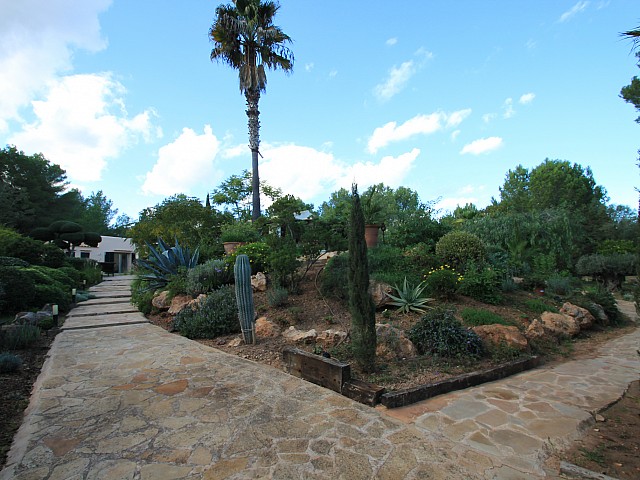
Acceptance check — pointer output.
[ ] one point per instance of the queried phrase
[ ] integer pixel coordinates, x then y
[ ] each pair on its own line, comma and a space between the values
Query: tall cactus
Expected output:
244, 297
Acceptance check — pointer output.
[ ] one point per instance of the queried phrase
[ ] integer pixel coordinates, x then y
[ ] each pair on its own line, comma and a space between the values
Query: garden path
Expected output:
120, 398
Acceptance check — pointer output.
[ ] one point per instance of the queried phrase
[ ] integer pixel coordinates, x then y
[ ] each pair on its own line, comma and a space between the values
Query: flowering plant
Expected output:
442, 282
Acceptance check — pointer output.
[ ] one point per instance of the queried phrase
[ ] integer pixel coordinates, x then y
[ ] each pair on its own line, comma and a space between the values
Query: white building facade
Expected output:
114, 254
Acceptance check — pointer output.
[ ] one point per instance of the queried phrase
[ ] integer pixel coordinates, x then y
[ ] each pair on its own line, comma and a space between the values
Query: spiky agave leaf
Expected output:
410, 299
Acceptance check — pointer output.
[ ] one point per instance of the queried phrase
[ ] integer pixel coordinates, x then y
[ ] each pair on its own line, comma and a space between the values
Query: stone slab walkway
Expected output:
134, 401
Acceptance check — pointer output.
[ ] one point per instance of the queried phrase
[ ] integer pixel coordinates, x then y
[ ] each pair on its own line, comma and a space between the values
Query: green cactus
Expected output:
244, 297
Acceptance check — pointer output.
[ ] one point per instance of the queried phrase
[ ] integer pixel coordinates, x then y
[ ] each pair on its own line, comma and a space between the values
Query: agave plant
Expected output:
410, 299
165, 261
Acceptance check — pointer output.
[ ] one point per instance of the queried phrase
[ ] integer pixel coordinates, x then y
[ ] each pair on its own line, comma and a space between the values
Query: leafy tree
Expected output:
245, 38
631, 93
31, 190
98, 213
178, 217
66, 235
235, 194
361, 305
282, 212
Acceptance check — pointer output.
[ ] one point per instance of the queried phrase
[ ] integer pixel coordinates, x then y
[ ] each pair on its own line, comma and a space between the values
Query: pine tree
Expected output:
363, 320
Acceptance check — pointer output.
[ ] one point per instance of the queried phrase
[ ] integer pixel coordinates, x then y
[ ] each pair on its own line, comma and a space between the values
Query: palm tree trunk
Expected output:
253, 114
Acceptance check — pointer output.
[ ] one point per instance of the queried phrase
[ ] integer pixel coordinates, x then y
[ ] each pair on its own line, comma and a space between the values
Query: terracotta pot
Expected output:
230, 247
371, 235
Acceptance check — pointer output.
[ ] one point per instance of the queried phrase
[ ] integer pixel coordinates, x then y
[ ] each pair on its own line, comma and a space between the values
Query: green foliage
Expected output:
9, 363
502, 353
332, 282
610, 269
235, 193
13, 262
389, 264
442, 282
458, 248
613, 247
46, 323
508, 284
239, 232
53, 292
18, 289
409, 298
361, 307
558, 284
539, 306
605, 299
440, 333
258, 253
142, 296
284, 263
164, 262
216, 315
177, 284
208, 277
477, 316
277, 296
24, 336
631, 93
482, 283
421, 256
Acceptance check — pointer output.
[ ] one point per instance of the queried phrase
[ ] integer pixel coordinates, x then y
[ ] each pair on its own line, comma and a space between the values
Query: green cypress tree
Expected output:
363, 320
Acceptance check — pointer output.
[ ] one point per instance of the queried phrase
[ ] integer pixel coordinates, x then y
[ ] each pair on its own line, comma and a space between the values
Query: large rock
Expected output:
259, 282
535, 330
379, 291
197, 302
330, 338
161, 301
31, 318
502, 334
598, 312
557, 324
581, 315
266, 329
178, 303
293, 335
393, 343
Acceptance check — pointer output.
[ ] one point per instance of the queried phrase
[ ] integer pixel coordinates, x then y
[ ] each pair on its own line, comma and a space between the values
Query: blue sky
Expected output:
440, 96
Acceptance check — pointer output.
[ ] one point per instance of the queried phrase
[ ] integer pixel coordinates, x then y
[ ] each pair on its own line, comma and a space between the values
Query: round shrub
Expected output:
19, 289
9, 363
458, 248
390, 265
333, 279
442, 282
258, 253
52, 293
208, 277
440, 333
13, 262
216, 315
142, 296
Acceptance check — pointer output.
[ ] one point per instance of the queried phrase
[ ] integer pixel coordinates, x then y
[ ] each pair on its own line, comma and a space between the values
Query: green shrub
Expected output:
177, 283
442, 282
208, 277
422, 256
611, 247
284, 263
458, 248
481, 284
277, 296
258, 253
605, 299
9, 363
216, 315
508, 284
58, 275
502, 352
239, 232
477, 316
21, 337
558, 284
389, 265
19, 289
53, 256
46, 323
90, 272
52, 293
13, 262
440, 333
610, 269
538, 306
333, 279
142, 296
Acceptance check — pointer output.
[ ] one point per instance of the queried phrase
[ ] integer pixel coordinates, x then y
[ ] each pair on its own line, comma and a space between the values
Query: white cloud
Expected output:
308, 66
236, 151
508, 108
454, 135
81, 123
527, 98
395, 82
449, 204
391, 41
288, 167
573, 11
186, 162
418, 125
37, 40
483, 145
333, 73
487, 117
531, 44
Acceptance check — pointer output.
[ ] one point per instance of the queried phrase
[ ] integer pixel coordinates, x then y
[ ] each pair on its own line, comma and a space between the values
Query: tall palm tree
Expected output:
245, 38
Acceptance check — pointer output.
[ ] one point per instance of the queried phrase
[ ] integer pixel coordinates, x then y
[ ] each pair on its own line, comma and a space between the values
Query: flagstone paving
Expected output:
134, 401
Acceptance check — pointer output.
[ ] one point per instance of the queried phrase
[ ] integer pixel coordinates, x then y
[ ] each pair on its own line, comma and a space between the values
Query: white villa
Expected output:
114, 254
